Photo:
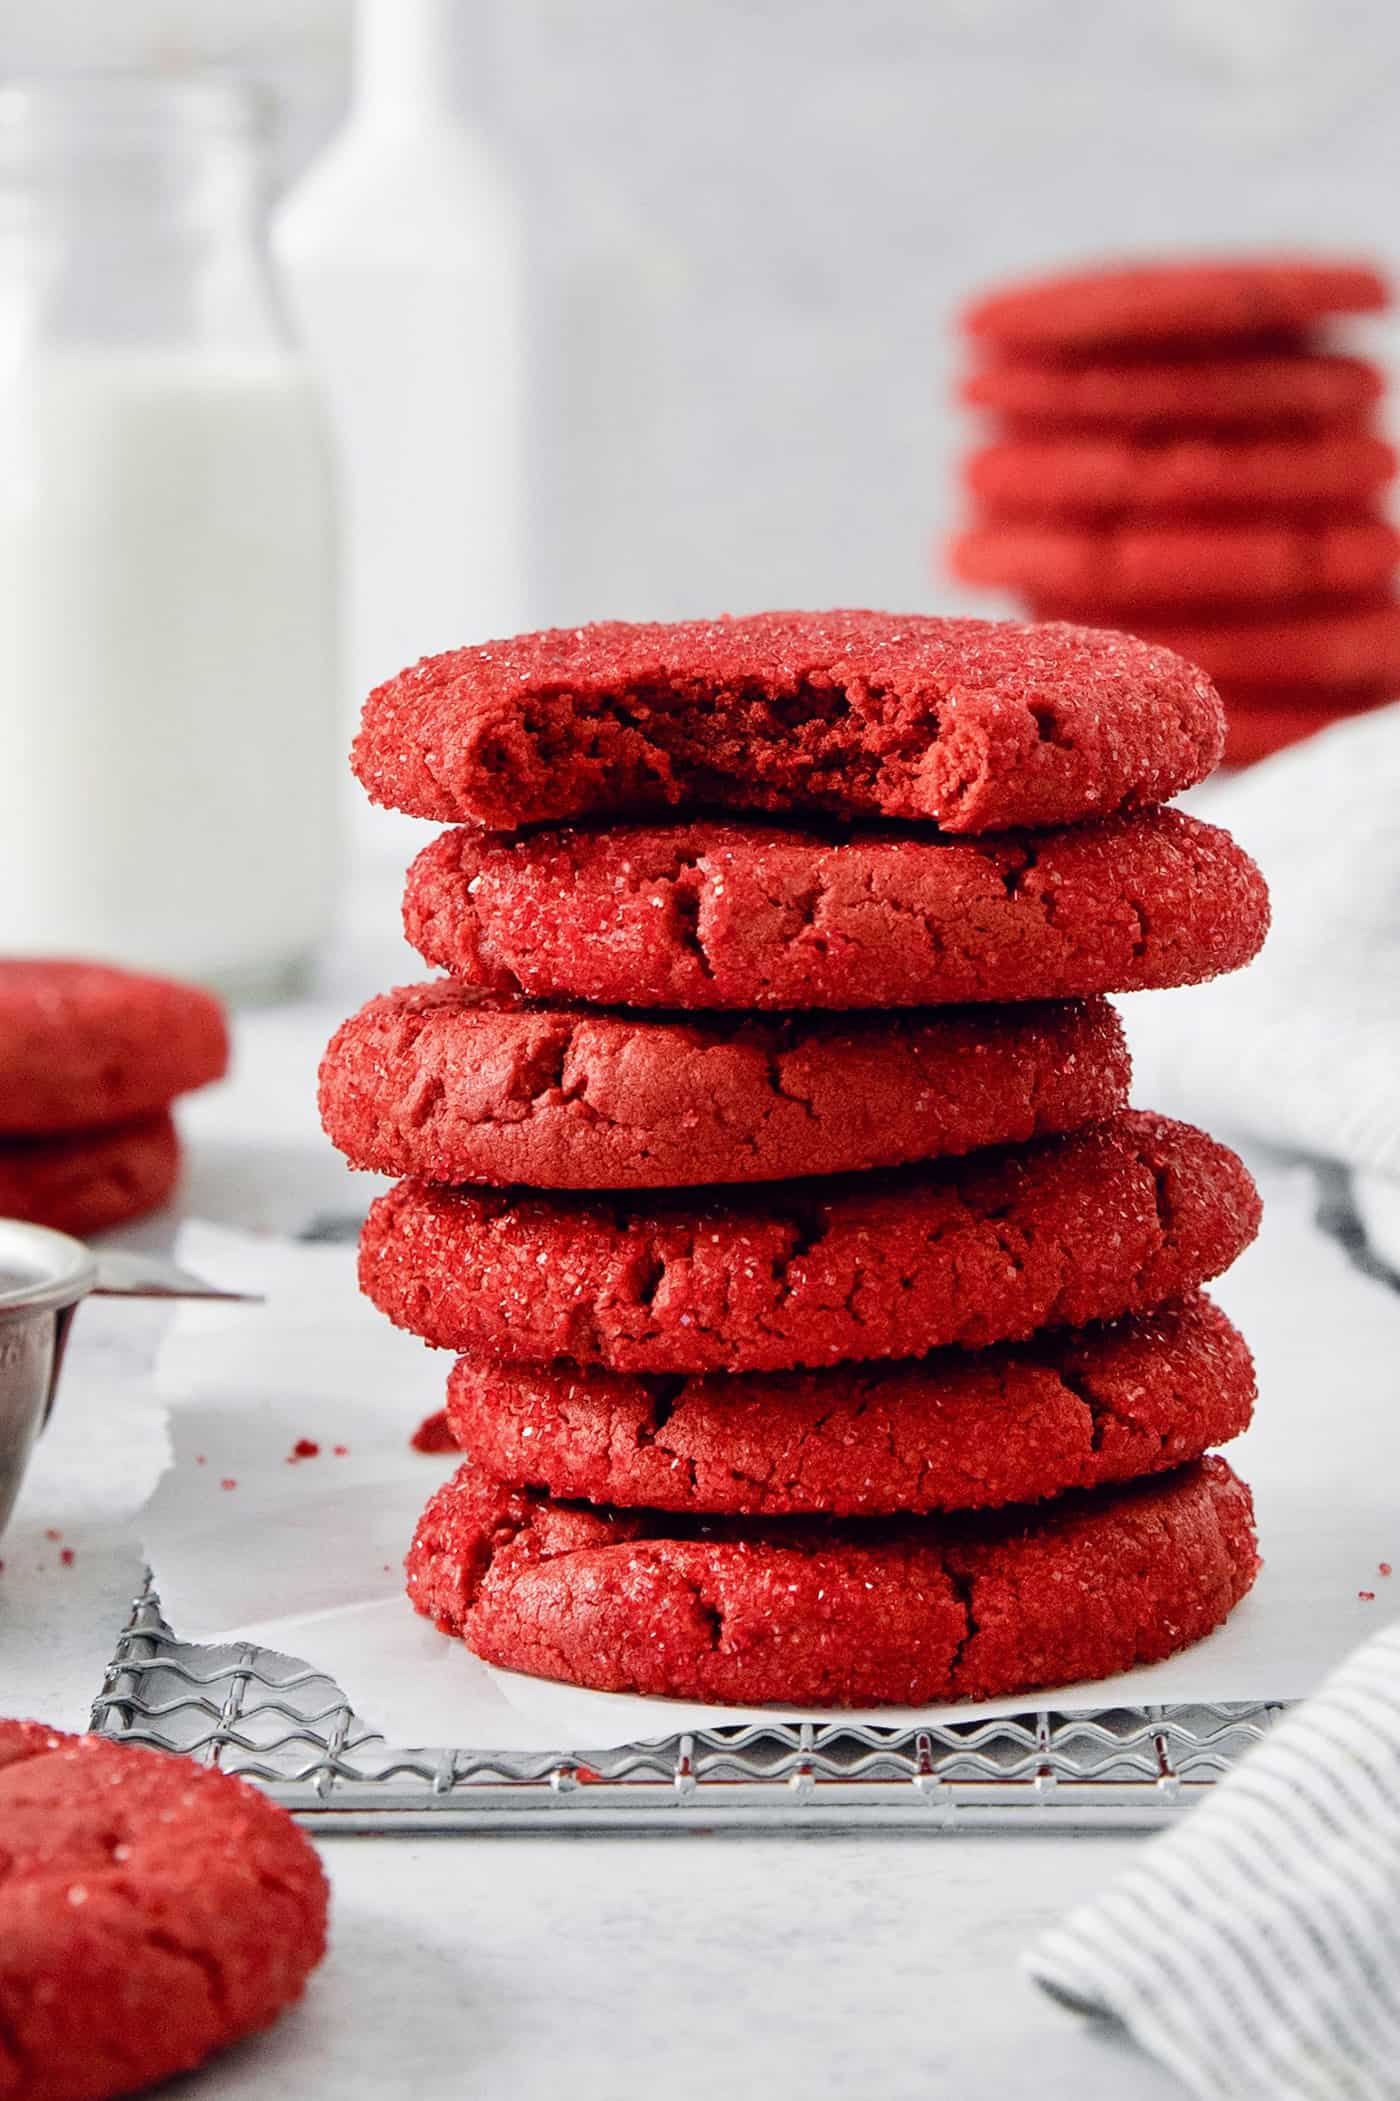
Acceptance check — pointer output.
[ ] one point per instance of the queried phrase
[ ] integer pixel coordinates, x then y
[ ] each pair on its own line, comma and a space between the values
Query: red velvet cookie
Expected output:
83, 1044
954, 1431
974, 724
1105, 477
1114, 1220
1191, 299
1127, 567
808, 1614
1263, 721
151, 1912
725, 916
90, 1180
455, 1086
1308, 645
1274, 390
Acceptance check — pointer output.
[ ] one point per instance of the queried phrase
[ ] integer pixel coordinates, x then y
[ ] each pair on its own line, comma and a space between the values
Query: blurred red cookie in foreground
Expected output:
152, 1911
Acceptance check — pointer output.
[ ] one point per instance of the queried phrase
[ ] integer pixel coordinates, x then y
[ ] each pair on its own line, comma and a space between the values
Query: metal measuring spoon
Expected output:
44, 1277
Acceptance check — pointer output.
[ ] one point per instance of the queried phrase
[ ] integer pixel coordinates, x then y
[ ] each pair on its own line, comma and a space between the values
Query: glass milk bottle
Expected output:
167, 750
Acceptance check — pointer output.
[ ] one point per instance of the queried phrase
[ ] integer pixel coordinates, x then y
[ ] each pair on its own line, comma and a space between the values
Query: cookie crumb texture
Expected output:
84, 1045
454, 1086
1111, 1221
734, 916
955, 1431
151, 1912
976, 725
90, 1180
832, 1615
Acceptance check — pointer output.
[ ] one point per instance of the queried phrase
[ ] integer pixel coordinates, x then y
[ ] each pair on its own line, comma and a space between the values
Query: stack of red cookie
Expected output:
91, 1059
832, 1330
1180, 453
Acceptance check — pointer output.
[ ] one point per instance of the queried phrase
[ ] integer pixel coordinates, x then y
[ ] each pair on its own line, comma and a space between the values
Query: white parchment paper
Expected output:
306, 1556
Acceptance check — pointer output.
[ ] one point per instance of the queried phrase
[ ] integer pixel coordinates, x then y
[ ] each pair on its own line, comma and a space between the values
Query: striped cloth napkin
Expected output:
1256, 1950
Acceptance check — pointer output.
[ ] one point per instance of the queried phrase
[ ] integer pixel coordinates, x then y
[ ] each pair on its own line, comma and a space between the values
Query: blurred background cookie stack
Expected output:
830, 1329
1184, 451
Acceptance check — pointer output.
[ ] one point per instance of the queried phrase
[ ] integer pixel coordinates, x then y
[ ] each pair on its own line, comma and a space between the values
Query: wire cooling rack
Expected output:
290, 1728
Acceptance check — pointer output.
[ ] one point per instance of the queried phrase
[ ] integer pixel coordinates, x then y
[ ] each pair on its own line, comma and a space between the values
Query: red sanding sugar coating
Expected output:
729, 916
82, 1045
151, 1911
1297, 645
1105, 477
90, 1180
437, 1081
817, 1614
1120, 568
1114, 1220
1275, 390
1191, 299
974, 724
953, 1431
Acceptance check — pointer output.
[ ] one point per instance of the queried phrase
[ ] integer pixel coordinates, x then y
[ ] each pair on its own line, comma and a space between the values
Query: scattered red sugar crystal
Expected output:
66, 1557
1367, 1595
433, 1435
200, 1460
52, 1532
1385, 1568
304, 1448
228, 1482
341, 1451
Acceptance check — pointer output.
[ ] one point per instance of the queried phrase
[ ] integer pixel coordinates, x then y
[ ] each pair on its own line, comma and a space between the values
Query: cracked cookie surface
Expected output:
953, 1431
151, 1911
1114, 1220
973, 724
453, 1085
722, 915
830, 1614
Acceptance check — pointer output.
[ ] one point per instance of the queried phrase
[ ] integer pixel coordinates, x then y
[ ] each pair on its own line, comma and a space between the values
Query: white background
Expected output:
781, 202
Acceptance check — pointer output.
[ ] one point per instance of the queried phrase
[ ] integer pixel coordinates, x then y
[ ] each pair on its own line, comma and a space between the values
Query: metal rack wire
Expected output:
289, 1727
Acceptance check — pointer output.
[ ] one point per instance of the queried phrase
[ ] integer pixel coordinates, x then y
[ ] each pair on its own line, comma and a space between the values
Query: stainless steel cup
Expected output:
43, 1275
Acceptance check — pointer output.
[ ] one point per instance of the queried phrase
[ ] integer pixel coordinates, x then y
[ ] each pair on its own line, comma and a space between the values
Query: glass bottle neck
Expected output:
132, 213
416, 62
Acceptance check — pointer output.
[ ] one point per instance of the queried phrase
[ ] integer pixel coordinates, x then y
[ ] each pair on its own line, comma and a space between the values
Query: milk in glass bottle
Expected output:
166, 560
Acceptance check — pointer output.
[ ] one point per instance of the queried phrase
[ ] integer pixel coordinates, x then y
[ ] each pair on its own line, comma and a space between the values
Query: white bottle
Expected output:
401, 253
166, 547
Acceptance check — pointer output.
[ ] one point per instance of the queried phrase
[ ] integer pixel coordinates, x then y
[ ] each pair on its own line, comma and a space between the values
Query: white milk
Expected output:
166, 663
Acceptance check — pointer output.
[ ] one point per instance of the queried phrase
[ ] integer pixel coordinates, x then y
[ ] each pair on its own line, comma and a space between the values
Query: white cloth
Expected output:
1256, 1950
1302, 1049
